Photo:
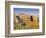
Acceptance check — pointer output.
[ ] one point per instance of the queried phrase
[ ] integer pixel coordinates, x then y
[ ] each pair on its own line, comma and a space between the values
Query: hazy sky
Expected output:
26, 10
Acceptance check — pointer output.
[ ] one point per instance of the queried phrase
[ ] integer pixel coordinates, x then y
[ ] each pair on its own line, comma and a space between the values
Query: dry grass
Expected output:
29, 24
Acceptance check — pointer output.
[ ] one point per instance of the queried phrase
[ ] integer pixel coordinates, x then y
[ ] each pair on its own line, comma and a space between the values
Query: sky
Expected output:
26, 10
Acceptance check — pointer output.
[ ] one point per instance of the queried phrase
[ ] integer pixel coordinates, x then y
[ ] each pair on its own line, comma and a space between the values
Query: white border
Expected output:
29, 30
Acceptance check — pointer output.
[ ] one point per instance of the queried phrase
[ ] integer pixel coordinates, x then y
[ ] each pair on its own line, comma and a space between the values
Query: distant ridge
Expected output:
27, 14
